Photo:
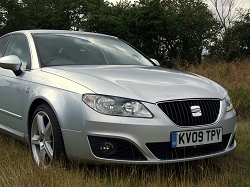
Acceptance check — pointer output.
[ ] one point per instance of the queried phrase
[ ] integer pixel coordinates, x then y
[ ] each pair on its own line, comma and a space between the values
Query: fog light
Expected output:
108, 148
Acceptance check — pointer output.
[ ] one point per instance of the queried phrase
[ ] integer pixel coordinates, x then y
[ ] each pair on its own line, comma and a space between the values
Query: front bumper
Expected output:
141, 141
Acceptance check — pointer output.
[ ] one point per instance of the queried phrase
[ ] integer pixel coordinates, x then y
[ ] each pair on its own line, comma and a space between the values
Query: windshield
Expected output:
85, 49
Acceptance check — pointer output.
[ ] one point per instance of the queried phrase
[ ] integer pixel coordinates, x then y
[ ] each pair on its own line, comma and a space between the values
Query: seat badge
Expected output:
196, 111
27, 88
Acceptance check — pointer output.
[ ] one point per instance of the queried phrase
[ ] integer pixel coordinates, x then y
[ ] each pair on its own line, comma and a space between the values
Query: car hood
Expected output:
151, 84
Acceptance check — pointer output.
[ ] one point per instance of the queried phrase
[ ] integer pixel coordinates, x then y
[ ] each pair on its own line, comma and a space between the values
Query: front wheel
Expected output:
46, 141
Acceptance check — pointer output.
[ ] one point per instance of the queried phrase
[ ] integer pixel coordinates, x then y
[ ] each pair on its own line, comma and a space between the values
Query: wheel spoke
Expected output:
35, 139
40, 124
48, 150
42, 155
48, 131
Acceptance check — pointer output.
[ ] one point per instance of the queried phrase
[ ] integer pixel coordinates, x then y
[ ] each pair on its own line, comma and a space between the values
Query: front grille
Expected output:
124, 149
164, 151
181, 114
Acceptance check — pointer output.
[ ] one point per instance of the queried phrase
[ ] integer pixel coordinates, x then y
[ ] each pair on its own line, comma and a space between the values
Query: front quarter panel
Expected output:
64, 97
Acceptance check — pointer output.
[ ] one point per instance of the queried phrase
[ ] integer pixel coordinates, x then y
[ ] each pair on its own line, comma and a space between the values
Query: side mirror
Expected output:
11, 62
155, 61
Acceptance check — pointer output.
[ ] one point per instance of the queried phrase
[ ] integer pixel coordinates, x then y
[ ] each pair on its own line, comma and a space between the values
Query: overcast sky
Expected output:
240, 3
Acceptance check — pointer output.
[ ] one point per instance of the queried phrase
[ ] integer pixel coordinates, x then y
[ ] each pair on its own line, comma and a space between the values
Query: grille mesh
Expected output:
181, 114
164, 151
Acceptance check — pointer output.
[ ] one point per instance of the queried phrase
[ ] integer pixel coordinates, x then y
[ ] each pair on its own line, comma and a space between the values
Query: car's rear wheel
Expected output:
46, 141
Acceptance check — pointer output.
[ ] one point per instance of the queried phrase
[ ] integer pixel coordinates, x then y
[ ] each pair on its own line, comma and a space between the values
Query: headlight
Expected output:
229, 104
116, 106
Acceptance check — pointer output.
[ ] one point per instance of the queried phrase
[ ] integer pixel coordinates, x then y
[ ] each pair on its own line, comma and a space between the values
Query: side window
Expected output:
3, 42
18, 46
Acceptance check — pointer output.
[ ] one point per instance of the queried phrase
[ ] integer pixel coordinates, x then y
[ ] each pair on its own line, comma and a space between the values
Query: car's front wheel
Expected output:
46, 141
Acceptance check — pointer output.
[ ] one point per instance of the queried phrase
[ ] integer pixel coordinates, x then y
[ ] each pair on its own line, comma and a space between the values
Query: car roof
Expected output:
51, 31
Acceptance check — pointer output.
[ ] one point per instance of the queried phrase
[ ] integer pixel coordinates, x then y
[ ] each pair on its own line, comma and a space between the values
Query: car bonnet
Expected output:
150, 84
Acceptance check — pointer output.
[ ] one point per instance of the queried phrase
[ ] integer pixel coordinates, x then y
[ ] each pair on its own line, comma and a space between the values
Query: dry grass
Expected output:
18, 169
228, 75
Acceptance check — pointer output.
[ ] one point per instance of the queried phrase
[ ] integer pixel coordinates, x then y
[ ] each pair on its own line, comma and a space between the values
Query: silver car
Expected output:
95, 99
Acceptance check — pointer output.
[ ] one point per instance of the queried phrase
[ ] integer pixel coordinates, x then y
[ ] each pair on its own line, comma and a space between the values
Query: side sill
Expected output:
13, 133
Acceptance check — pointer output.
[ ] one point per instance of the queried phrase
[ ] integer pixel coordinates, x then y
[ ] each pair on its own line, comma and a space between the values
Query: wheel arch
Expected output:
66, 106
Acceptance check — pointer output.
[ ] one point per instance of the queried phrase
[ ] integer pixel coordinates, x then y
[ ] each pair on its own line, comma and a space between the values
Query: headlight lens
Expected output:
117, 106
229, 104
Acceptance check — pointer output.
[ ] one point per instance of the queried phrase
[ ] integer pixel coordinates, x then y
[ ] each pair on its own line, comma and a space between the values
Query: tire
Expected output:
46, 141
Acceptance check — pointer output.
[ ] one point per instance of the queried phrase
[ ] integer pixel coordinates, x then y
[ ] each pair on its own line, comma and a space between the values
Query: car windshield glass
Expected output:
85, 49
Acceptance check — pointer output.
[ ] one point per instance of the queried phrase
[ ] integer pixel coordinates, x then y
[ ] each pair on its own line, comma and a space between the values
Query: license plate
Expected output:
193, 138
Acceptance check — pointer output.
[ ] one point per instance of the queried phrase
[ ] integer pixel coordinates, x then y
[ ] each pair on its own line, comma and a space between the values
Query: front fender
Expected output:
66, 105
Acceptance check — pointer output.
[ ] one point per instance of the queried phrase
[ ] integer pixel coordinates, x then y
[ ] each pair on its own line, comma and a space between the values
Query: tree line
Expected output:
168, 30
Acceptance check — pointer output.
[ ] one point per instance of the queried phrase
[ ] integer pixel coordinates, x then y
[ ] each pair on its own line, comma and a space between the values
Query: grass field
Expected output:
18, 169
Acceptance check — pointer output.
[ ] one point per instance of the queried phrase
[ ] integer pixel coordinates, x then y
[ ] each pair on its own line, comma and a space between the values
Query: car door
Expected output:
12, 87
3, 42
